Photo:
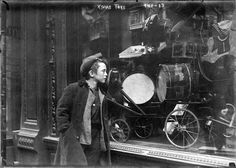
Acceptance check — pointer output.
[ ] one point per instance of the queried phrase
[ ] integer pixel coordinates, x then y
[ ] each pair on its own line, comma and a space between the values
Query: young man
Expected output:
82, 117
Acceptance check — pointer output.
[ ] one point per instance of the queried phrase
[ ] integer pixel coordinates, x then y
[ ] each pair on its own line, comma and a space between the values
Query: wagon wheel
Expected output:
230, 131
120, 130
203, 118
143, 127
182, 128
215, 136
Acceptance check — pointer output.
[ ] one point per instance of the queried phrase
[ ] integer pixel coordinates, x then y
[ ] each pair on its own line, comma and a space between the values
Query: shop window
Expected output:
175, 41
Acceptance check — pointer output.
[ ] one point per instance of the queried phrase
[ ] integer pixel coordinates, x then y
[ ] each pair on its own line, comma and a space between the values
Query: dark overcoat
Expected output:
70, 110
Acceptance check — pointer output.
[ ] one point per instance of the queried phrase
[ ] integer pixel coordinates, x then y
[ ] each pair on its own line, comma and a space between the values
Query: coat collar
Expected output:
83, 83
102, 87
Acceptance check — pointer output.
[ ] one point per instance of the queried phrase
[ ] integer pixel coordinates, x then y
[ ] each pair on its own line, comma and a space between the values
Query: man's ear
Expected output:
91, 73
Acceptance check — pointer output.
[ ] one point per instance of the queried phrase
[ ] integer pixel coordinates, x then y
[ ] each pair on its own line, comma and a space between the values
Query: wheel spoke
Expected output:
193, 127
183, 139
183, 117
186, 140
191, 122
188, 132
176, 136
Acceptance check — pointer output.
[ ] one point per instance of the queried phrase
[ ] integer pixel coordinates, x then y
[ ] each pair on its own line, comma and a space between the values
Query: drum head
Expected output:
174, 82
161, 86
139, 87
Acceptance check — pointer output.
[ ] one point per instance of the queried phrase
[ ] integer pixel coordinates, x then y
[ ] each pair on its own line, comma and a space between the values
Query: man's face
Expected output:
101, 74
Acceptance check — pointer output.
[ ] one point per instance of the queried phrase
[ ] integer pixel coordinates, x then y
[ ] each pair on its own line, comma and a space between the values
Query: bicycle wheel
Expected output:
182, 128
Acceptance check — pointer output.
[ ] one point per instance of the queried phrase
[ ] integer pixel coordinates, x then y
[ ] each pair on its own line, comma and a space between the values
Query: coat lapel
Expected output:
101, 96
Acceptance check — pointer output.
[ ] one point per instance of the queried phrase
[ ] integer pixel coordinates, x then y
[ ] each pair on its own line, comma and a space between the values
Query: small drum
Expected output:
139, 87
113, 76
114, 84
174, 82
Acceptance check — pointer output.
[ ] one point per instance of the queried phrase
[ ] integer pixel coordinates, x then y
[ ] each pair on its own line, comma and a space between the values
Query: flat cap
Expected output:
88, 62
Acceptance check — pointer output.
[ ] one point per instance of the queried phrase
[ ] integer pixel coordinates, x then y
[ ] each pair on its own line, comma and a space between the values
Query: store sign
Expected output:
100, 1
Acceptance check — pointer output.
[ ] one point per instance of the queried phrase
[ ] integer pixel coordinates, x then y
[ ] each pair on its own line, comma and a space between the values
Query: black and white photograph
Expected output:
118, 83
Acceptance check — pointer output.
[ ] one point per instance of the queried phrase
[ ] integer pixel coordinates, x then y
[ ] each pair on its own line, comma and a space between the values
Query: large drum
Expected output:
174, 82
139, 87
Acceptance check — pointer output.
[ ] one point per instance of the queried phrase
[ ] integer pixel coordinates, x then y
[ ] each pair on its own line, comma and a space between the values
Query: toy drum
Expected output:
113, 76
114, 84
139, 87
174, 82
